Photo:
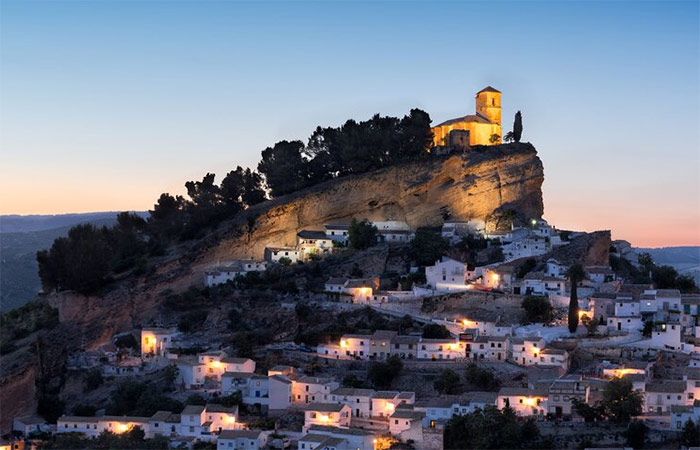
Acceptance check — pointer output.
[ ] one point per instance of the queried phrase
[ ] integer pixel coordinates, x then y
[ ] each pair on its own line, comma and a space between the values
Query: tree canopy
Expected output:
361, 234
87, 258
492, 428
518, 127
575, 274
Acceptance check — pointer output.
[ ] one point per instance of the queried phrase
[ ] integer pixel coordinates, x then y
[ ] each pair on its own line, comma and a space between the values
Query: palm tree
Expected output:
575, 274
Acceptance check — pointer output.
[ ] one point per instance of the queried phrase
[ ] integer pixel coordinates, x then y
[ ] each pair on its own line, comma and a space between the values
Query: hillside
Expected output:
21, 238
471, 185
686, 260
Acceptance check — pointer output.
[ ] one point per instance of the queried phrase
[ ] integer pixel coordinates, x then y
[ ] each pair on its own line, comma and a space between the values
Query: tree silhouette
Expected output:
575, 274
518, 127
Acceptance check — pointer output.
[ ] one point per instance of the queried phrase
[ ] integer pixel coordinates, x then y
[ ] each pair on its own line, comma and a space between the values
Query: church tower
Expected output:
488, 104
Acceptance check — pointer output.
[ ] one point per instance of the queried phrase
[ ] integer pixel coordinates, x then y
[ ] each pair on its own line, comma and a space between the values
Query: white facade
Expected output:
359, 400
274, 254
437, 349
337, 233
327, 414
307, 390
190, 373
156, 341
448, 275
232, 269
525, 402
625, 323
241, 439
526, 351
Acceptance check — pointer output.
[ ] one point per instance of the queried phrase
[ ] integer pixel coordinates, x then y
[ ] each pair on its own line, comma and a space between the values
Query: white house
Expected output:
436, 349
555, 268
524, 401
27, 425
356, 345
599, 274
487, 348
280, 393
384, 403
682, 414
526, 350
312, 243
627, 308
275, 254
563, 391
357, 290
407, 424
667, 336
307, 389
554, 357
496, 276
449, 274
536, 283
625, 323
241, 439
254, 388
190, 372
221, 417
359, 400
454, 230
91, 427
337, 232
354, 437
659, 397
231, 269
691, 375
405, 346
155, 341
526, 247
217, 362
332, 414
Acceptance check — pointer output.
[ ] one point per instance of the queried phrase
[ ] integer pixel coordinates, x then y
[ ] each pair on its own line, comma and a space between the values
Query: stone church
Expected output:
478, 129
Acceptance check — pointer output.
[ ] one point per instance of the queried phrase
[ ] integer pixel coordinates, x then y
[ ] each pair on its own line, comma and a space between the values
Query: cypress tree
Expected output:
518, 127
575, 274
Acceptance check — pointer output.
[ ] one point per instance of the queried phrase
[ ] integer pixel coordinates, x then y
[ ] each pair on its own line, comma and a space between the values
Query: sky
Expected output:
105, 105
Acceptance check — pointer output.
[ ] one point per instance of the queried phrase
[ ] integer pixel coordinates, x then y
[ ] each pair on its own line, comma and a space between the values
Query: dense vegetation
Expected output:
361, 234
89, 257
21, 322
134, 438
354, 147
475, 378
538, 309
492, 428
619, 404
663, 276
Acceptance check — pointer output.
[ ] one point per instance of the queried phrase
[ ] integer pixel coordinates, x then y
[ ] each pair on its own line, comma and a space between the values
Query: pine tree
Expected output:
518, 127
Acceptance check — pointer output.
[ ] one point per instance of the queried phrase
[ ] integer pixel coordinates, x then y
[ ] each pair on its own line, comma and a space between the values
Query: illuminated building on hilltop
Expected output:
482, 128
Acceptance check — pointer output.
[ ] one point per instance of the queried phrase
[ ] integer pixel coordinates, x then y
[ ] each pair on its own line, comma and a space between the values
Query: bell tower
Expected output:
488, 104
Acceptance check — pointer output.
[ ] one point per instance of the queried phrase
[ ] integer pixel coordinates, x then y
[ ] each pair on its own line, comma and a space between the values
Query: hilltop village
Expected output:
483, 331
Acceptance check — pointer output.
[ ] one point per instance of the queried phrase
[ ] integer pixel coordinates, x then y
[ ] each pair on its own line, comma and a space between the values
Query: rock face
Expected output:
469, 186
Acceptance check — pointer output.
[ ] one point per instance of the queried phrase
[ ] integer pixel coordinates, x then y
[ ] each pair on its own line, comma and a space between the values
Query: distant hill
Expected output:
21, 237
15, 223
686, 260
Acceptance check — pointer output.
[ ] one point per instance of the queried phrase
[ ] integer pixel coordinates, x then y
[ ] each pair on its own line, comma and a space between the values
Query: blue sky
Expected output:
107, 104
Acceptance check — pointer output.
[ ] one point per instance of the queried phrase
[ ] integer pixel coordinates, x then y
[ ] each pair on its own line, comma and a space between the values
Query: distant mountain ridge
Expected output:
685, 259
15, 223
21, 237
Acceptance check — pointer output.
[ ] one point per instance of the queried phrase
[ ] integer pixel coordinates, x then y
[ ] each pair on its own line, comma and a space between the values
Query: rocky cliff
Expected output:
468, 186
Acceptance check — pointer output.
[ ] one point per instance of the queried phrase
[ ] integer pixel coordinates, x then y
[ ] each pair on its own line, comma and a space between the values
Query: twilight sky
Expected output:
107, 104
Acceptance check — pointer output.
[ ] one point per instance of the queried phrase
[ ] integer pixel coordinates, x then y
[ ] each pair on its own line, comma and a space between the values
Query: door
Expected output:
619, 326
